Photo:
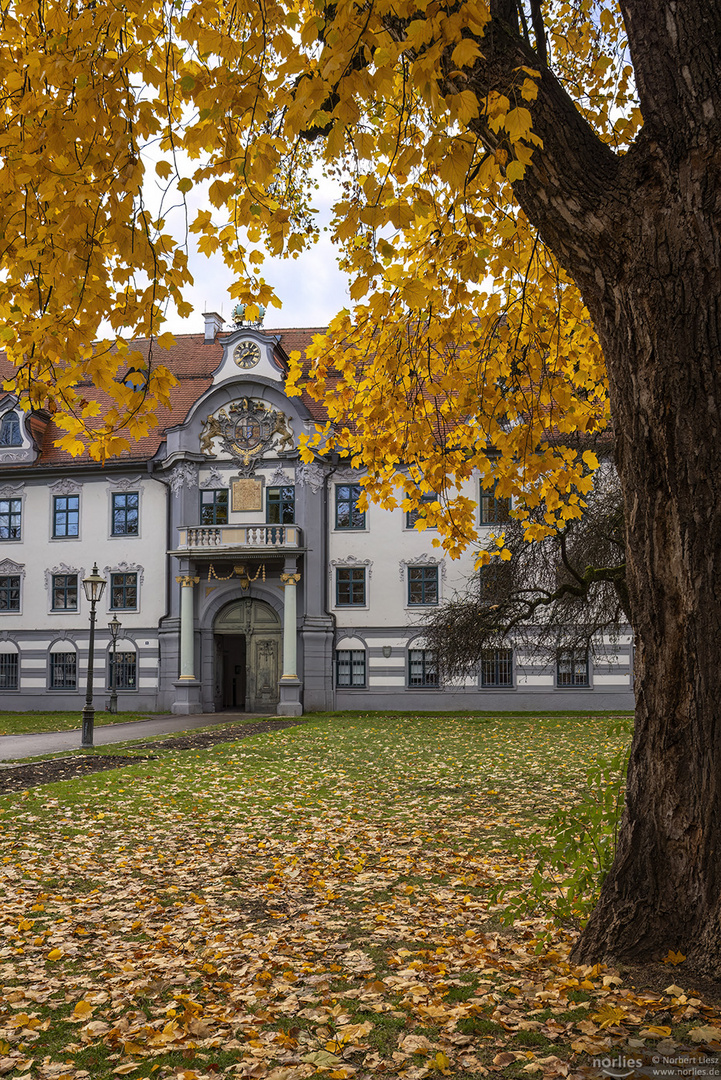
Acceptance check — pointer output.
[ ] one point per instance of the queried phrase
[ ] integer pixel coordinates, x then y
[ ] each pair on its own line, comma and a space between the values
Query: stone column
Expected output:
187, 697
187, 644
290, 684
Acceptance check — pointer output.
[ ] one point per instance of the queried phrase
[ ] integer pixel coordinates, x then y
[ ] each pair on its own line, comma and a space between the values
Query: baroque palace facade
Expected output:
242, 578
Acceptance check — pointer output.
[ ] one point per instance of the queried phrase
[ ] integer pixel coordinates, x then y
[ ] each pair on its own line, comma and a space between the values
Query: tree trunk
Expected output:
660, 324
641, 235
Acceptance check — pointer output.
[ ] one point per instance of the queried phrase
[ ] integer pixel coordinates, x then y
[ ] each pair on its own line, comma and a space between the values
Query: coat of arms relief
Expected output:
245, 430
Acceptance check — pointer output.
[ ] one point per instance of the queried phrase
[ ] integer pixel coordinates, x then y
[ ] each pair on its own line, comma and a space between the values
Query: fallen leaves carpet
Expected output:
310, 901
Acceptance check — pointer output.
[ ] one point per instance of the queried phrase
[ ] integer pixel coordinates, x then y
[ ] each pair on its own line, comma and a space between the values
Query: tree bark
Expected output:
641, 235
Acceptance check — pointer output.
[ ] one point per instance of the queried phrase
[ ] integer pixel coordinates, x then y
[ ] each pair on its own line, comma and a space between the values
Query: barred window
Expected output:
123, 592
572, 667
10, 519
124, 671
214, 507
63, 671
422, 668
497, 667
422, 585
66, 516
125, 514
8, 671
65, 592
10, 592
350, 667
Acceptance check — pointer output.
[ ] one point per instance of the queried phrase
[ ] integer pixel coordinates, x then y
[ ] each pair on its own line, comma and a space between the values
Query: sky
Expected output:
311, 287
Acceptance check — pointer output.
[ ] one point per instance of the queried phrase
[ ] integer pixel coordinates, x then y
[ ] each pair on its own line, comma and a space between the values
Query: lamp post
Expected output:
94, 586
114, 628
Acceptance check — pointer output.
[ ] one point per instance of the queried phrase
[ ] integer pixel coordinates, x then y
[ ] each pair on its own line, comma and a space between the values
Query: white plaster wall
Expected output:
39, 552
386, 543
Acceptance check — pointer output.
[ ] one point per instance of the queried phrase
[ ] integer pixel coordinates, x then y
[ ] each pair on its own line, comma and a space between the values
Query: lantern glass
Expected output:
94, 585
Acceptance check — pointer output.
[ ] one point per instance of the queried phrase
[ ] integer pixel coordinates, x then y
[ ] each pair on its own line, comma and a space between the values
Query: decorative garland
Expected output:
212, 574
239, 571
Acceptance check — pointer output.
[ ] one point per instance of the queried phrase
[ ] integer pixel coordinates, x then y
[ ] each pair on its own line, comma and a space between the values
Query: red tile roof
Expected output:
193, 362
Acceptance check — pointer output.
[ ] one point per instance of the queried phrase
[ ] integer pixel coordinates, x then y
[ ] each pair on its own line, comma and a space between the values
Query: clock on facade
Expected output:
246, 354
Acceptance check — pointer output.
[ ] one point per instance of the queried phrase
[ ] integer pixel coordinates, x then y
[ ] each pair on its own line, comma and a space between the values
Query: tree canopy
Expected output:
464, 322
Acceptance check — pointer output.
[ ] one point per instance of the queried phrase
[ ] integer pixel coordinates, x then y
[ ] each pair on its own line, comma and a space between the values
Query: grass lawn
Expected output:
20, 723
308, 901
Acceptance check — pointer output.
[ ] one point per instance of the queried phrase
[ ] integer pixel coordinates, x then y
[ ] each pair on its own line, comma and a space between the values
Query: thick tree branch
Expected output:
570, 192
675, 50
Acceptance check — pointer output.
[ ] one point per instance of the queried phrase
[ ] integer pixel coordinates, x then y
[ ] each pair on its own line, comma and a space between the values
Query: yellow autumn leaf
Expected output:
674, 957
608, 1015
82, 1008
55, 954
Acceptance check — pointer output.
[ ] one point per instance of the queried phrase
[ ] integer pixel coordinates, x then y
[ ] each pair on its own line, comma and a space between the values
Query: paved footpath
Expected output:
55, 742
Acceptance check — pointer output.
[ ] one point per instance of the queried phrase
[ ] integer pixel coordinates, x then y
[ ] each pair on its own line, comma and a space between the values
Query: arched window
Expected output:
9, 665
10, 434
63, 666
126, 666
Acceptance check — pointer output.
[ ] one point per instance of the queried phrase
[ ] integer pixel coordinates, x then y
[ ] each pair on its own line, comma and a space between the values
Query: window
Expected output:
123, 592
10, 592
495, 581
350, 667
412, 516
422, 668
10, 434
494, 510
65, 592
63, 671
497, 667
422, 585
135, 379
10, 519
8, 671
280, 505
125, 670
214, 507
347, 514
125, 514
66, 515
572, 667
350, 586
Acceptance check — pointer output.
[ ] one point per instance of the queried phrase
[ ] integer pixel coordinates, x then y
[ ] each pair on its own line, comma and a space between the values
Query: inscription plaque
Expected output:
246, 495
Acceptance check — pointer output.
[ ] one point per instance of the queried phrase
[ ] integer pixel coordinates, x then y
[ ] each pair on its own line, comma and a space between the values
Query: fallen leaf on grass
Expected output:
705, 1034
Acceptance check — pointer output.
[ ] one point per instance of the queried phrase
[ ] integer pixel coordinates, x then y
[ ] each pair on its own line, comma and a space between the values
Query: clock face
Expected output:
246, 354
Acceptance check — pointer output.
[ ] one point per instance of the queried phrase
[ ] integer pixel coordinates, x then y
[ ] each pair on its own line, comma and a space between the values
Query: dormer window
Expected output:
136, 379
10, 434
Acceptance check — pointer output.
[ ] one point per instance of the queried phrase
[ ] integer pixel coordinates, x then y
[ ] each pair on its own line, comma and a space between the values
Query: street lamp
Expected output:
114, 628
94, 586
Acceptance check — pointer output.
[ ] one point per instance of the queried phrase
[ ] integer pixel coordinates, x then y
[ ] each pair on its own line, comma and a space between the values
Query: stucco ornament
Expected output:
183, 475
245, 431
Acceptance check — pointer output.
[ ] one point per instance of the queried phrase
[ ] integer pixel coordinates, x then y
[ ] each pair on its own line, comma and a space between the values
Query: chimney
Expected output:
213, 325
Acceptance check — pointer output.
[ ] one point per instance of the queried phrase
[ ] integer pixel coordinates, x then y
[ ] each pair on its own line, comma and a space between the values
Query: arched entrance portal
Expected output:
247, 657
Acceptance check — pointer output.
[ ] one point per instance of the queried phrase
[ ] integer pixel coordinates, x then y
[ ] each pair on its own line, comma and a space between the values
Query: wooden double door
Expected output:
248, 637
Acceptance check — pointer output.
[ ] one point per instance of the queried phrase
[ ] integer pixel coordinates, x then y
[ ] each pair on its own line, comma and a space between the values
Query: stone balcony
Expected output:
234, 539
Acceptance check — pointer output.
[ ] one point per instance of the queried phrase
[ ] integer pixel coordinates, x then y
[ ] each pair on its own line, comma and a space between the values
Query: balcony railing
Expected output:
229, 537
